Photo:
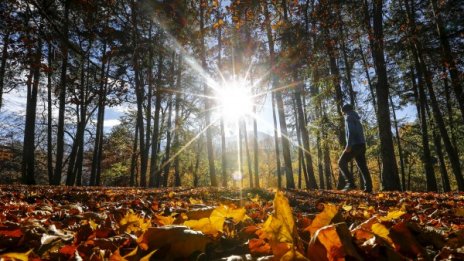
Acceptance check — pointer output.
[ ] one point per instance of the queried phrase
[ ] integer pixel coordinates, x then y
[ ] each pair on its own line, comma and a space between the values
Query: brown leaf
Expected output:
182, 241
332, 242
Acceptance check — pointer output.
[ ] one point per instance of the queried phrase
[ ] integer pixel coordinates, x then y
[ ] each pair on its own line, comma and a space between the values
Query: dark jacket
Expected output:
353, 129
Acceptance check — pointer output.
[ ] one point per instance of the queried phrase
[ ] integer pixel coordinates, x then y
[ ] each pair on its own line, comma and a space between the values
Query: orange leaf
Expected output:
324, 218
259, 247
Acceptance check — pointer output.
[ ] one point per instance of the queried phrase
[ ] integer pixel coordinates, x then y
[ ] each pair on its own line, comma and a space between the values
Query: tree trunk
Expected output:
306, 150
81, 108
155, 174
437, 115
302, 168
448, 58
97, 150
276, 142
209, 133
390, 177
247, 149
177, 180
398, 144
6, 43
148, 115
28, 174
49, 117
420, 105
62, 98
441, 159
255, 148
280, 105
134, 157
167, 155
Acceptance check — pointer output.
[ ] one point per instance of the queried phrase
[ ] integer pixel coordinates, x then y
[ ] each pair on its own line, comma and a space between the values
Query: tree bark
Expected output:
155, 174
134, 157
280, 104
448, 58
177, 125
49, 117
256, 149
28, 171
420, 98
276, 142
167, 153
62, 97
6, 43
398, 144
209, 133
390, 177
247, 149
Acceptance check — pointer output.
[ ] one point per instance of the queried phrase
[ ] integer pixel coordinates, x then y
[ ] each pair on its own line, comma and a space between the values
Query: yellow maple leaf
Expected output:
195, 201
16, 256
163, 220
280, 226
205, 225
132, 222
323, 219
280, 229
392, 215
223, 212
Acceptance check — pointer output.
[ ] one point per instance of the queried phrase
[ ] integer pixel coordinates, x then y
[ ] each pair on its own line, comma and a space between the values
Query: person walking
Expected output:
355, 149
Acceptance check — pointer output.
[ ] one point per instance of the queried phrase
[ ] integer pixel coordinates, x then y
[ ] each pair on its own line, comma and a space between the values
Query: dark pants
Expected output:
358, 152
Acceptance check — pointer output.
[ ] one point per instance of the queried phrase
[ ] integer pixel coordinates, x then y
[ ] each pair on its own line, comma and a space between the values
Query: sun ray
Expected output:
263, 121
288, 86
187, 145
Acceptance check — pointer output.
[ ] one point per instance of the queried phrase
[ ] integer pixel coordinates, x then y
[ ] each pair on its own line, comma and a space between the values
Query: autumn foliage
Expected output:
62, 223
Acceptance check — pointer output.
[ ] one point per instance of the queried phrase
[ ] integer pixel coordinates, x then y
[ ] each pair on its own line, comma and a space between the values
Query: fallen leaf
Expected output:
16, 256
332, 242
329, 215
181, 240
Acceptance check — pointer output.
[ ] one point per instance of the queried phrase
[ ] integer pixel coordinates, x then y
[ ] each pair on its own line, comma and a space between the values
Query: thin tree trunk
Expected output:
437, 115
177, 180
149, 97
280, 105
62, 98
255, 148
155, 175
441, 159
134, 157
449, 110
197, 164
49, 117
390, 177
209, 133
6, 43
28, 175
276, 142
398, 143
310, 178
81, 107
419, 95
302, 167
448, 58
250, 169
223, 134
167, 154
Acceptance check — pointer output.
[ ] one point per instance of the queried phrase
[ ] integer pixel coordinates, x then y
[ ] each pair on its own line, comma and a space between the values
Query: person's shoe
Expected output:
349, 187
367, 190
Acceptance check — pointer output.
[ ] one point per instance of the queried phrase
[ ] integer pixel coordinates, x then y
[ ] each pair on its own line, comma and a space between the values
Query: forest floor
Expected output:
97, 223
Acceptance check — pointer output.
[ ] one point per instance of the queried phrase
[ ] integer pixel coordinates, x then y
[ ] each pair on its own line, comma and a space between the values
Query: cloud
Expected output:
110, 123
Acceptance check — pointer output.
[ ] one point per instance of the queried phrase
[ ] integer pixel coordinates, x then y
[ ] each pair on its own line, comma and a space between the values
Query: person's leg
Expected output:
343, 165
362, 165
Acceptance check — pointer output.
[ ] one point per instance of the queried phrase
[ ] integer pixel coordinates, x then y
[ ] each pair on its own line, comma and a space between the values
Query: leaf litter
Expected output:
118, 224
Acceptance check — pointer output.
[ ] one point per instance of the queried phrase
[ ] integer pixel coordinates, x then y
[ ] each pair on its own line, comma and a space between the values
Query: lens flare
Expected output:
235, 100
